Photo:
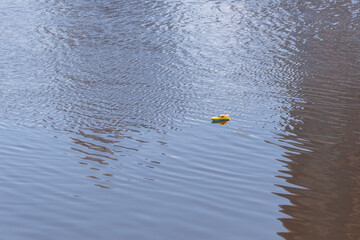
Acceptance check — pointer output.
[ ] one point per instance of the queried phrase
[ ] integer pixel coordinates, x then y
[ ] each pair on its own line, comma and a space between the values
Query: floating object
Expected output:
221, 118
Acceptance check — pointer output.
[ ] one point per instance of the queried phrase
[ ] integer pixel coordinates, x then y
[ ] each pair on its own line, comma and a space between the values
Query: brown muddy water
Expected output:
105, 128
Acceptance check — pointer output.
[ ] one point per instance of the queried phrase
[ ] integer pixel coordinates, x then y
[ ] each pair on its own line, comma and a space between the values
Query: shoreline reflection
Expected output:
321, 138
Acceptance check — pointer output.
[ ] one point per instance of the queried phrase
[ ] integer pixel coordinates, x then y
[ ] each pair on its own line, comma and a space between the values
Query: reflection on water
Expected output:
117, 75
105, 119
220, 123
321, 135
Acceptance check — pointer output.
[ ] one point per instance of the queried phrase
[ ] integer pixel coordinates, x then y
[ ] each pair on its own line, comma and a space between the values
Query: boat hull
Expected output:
220, 119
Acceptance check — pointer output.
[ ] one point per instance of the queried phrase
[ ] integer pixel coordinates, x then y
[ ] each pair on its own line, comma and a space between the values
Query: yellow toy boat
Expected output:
221, 118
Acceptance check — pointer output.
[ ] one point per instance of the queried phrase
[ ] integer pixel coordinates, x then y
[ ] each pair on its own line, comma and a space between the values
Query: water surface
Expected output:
105, 109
